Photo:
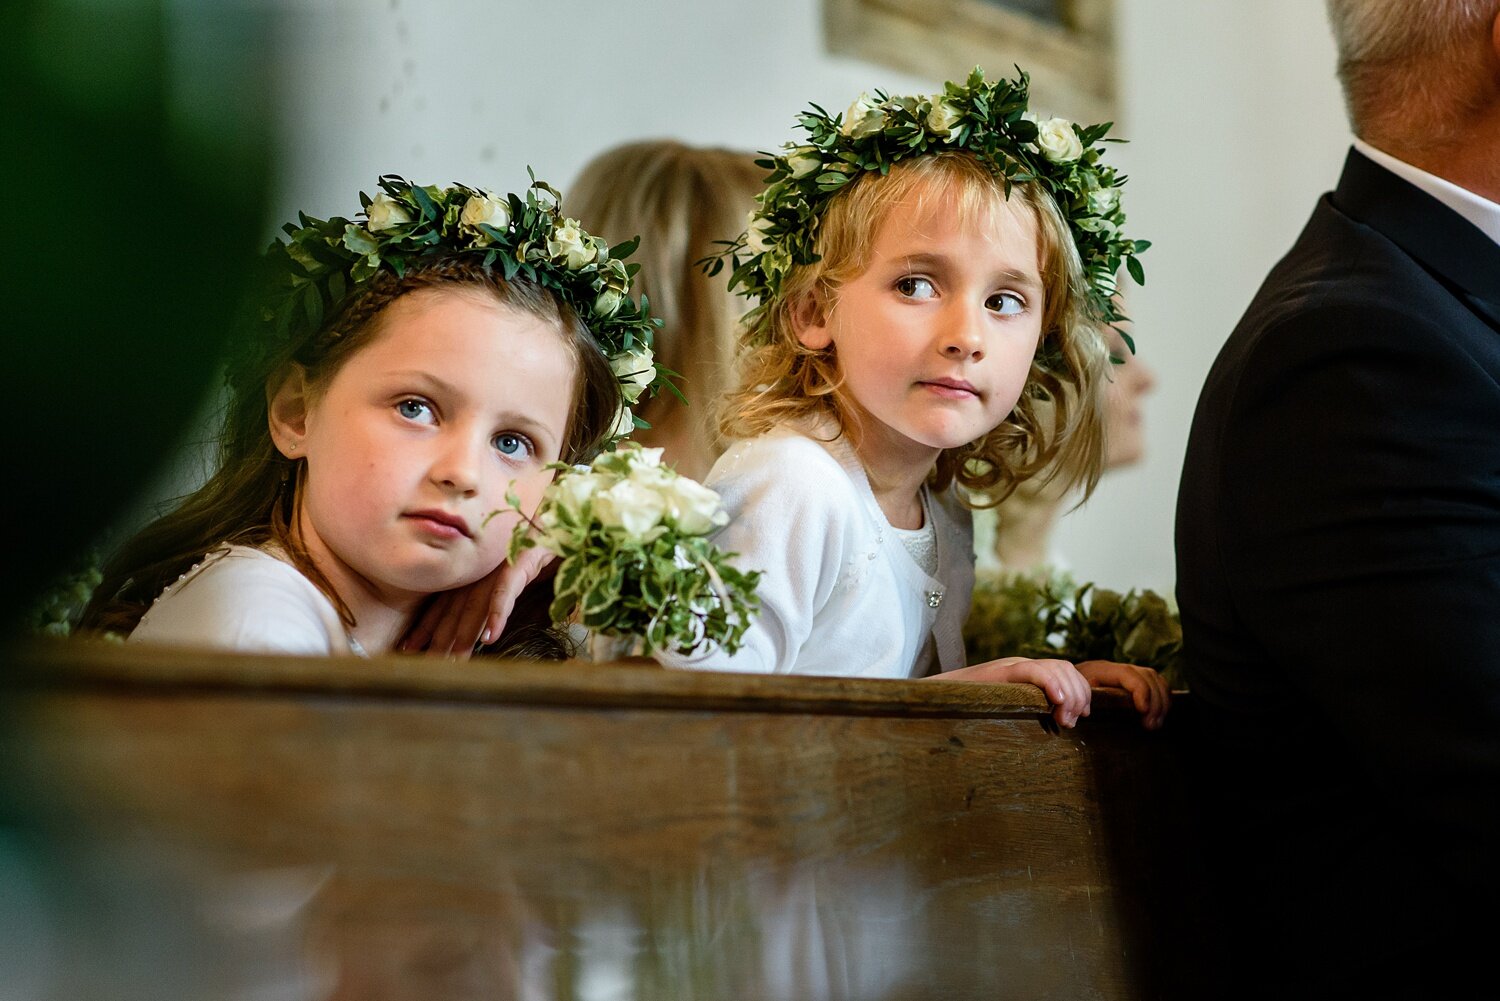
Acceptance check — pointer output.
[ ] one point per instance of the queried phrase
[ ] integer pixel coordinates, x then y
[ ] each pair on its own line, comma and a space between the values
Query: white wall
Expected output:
1232, 110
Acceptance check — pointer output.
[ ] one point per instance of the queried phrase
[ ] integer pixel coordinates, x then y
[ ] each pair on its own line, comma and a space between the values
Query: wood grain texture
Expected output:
580, 832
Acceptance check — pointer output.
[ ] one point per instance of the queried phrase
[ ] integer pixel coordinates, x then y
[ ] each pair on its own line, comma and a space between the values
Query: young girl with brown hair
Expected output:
408, 372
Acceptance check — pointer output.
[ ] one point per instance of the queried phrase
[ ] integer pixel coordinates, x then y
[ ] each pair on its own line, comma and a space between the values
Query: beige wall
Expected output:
1232, 109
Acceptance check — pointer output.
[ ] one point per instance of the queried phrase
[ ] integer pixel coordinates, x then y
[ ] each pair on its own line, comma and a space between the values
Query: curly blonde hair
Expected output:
1056, 429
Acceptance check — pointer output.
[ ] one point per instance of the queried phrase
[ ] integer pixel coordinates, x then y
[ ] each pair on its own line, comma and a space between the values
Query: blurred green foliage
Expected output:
136, 161
1017, 615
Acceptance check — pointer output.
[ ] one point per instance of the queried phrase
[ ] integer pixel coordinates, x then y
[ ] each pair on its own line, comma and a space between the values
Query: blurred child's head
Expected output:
679, 200
1130, 380
1047, 407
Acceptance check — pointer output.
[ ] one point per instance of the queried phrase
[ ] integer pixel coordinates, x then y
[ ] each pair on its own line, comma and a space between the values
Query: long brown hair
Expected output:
251, 499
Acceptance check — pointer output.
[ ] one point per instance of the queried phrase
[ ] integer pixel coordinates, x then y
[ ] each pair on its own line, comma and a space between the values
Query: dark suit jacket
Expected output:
1338, 570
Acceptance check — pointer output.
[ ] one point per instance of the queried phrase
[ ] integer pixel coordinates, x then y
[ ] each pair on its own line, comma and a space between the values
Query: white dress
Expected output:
840, 592
241, 598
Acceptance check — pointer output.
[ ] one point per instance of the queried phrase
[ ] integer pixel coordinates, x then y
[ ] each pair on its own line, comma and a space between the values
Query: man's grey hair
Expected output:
1391, 51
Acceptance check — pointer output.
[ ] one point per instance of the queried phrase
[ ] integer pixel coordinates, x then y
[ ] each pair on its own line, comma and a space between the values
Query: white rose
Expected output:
758, 235
863, 117
385, 213
573, 490
644, 458
624, 423
942, 117
635, 370
1104, 201
569, 244
1057, 140
484, 210
803, 160
694, 508
607, 303
630, 506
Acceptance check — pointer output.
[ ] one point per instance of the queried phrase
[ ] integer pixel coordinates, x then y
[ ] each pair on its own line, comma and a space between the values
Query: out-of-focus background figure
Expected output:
1016, 536
679, 200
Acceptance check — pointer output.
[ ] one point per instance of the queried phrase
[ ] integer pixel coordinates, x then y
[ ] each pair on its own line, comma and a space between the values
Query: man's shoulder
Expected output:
1342, 291
1342, 273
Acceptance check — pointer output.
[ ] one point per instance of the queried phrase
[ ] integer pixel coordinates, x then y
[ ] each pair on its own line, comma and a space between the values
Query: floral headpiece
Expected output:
988, 120
323, 261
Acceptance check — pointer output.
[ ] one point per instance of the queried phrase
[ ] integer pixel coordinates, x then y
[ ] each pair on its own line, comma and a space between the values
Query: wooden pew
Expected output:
441, 830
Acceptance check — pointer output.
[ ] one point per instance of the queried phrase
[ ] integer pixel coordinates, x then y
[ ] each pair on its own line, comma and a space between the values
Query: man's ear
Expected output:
810, 322
287, 405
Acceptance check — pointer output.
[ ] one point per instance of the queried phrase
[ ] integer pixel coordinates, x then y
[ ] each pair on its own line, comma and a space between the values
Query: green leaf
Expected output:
360, 240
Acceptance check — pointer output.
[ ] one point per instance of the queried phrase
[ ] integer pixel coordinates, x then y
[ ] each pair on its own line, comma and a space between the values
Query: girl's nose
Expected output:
963, 335
456, 466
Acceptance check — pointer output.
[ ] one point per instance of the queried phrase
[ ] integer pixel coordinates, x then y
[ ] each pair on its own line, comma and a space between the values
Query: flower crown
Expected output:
324, 261
988, 120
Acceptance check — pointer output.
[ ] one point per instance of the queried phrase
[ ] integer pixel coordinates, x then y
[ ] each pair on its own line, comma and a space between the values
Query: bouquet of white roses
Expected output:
636, 557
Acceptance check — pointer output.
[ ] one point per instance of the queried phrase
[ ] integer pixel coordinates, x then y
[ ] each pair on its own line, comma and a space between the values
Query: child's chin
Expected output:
431, 579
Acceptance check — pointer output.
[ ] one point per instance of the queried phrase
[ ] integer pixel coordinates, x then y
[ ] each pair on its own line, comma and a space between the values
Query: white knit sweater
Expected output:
840, 594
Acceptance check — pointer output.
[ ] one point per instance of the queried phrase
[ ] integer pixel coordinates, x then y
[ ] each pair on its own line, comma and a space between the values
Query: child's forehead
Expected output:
934, 214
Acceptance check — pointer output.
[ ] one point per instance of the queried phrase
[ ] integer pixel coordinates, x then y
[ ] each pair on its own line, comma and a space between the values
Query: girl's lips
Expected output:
441, 523
952, 389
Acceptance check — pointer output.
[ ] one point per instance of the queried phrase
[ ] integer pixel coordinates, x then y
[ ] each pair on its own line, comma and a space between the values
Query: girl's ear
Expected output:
810, 322
286, 405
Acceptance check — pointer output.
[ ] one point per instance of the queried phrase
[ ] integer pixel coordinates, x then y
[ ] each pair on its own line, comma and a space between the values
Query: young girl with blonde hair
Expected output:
406, 373
931, 273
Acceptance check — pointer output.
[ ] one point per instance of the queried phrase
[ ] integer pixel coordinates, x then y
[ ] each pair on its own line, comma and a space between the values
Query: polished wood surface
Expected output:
573, 831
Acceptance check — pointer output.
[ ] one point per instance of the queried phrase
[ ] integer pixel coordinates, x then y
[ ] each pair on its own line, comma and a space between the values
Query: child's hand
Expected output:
455, 621
1147, 688
1065, 688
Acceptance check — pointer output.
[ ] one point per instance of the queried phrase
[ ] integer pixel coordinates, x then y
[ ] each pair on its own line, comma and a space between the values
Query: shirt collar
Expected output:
1482, 212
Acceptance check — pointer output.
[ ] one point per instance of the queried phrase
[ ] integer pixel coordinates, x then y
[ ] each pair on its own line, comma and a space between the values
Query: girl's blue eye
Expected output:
415, 410
916, 287
512, 445
1005, 303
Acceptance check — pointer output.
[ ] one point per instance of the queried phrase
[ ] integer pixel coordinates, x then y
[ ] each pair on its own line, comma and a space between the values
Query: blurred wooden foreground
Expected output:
408, 829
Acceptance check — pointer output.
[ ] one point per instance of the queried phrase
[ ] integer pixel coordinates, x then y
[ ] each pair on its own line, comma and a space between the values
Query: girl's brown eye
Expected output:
915, 287
1005, 303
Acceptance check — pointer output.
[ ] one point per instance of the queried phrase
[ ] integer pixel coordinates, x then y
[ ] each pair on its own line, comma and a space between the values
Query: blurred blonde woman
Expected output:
678, 199
1017, 535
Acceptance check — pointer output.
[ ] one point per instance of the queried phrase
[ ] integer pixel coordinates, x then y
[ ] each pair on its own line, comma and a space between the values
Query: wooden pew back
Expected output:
576, 831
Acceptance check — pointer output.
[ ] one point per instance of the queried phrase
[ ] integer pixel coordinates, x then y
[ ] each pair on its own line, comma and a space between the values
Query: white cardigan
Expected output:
840, 594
